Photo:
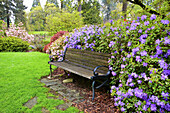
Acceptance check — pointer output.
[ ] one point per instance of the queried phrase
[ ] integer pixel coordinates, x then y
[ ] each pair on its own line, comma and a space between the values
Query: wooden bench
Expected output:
89, 64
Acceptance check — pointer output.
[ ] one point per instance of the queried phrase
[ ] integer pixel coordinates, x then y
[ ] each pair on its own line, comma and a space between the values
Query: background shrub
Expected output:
64, 21
13, 44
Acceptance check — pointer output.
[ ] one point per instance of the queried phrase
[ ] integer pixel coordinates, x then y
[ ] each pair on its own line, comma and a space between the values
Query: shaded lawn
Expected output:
19, 74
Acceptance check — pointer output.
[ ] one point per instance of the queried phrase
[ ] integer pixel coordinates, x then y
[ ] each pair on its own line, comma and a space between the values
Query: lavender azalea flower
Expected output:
146, 23
143, 53
153, 27
163, 77
153, 16
153, 107
143, 17
158, 41
140, 31
145, 64
113, 73
166, 22
122, 109
145, 107
165, 94
167, 41
139, 81
129, 44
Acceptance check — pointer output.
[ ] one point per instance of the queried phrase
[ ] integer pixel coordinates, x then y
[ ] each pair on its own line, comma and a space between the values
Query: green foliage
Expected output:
36, 19
20, 83
2, 28
13, 44
64, 21
91, 12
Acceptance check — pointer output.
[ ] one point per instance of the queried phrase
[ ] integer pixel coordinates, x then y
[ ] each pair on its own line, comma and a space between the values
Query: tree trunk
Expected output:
62, 5
124, 8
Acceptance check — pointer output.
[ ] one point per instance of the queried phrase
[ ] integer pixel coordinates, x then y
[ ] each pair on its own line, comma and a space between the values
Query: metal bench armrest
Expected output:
96, 73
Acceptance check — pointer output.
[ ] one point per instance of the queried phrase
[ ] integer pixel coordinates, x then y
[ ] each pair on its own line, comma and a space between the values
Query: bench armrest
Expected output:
96, 74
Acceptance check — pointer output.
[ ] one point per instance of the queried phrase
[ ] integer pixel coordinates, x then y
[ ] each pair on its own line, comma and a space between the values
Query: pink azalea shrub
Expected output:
20, 32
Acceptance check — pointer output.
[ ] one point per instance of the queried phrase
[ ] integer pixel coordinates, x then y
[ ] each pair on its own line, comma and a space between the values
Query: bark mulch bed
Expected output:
102, 103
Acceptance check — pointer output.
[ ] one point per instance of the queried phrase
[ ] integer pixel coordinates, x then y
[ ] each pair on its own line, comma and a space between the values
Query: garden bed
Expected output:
102, 102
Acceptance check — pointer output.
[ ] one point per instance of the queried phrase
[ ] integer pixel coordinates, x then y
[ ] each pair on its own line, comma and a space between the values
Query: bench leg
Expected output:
93, 89
50, 72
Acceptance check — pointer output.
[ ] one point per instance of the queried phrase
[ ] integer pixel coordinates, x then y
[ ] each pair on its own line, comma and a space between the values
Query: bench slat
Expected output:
74, 69
89, 59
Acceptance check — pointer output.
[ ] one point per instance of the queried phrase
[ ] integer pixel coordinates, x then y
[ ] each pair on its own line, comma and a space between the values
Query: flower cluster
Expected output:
20, 32
143, 67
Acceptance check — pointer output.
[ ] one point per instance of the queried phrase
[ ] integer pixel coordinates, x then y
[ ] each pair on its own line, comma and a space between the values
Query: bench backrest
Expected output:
87, 59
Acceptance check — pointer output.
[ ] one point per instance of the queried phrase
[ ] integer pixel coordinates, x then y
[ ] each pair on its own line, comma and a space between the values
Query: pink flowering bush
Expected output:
20, 32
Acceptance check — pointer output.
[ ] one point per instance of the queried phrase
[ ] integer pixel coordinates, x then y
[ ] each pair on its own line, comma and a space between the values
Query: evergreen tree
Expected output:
7, 8
19, 12
35, 3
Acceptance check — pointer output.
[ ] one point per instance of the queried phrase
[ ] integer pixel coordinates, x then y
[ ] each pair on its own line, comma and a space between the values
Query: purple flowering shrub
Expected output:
140, 65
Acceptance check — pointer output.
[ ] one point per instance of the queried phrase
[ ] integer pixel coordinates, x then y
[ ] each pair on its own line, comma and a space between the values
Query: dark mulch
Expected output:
102, 103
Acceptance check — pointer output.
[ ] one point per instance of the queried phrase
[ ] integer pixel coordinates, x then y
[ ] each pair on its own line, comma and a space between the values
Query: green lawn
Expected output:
38, 32
19, 74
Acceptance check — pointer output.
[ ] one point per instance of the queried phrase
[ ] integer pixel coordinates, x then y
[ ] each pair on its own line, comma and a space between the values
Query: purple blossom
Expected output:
143, 17
158, 41
159, 52
153, 107
124, 59
118, 92
132, 28
166, 72
153, 27
139, 81
165, 94
153, 16
140, 31
111, 43
129, 80
135, 75
167, 41
143, 53
166, 22
129, 44
139, 103
116, 33
122, 109
163, 77
116, 104
123, 66
113, 73
111, 21
128, 56
138, 59
146, 23
145, 107
131, 84
145, 64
